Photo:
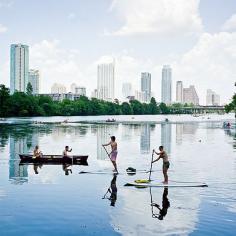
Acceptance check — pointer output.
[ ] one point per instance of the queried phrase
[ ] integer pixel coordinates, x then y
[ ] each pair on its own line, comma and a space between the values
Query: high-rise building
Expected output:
19, 67
58, 88
212, 99
179, 91
146, 85
80, 91
106, 80
140, 96
166, 84
33, 78
126, 89
190, 95
94, 93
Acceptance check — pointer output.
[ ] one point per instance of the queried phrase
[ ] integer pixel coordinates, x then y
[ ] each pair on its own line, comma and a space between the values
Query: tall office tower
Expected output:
190, 95
94, 93
179, 91
106, 79
80, 91
140, 96
19, 67
126, 89
212, 99
72, 87
58, 88
166, 84
146, 85
34, 80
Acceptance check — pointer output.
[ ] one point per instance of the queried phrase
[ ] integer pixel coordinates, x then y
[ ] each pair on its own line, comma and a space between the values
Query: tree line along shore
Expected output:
26, 104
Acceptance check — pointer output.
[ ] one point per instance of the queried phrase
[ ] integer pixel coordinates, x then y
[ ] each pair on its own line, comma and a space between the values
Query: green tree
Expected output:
164, 109
4, 100
126, 109
137, 107
152, 107
232, 105
29, 89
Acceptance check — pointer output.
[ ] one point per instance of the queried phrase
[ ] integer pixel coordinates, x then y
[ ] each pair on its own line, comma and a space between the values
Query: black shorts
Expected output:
166, 165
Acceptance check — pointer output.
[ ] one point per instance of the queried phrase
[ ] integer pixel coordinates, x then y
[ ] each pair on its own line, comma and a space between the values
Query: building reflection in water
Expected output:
19, 173
145, 138
104, 132
166, 136
185, 129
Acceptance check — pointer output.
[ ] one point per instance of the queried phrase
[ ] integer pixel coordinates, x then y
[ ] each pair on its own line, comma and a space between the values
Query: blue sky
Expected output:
68, 38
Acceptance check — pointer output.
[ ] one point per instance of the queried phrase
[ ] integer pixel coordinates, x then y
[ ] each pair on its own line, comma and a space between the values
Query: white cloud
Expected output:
230, 24
160, 17
55, 64
3, 28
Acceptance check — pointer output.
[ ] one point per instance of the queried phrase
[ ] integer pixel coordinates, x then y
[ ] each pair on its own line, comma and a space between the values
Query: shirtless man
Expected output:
64, 154
114, 152
37, 153
166, 164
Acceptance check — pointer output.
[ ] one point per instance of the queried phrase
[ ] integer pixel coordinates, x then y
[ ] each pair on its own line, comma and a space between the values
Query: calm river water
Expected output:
43, 200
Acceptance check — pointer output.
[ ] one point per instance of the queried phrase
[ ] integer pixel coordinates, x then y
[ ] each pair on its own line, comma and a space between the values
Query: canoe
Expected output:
142, 185
55, 159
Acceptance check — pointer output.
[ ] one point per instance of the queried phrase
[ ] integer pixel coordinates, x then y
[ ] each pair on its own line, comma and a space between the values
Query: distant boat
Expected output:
110, 120
55, 159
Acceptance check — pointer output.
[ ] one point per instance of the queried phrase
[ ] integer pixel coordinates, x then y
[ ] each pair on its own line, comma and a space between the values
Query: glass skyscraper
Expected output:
105, 86
19, 67
146, 85
34, 80
166, 84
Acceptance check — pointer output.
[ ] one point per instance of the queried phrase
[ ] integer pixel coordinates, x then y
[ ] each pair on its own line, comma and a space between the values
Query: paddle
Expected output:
107, 152
149, 179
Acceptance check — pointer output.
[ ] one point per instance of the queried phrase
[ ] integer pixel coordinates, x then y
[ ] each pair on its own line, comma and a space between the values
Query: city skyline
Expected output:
191, 45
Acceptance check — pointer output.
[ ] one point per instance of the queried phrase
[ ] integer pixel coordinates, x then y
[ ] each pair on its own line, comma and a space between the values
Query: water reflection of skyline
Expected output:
145, 138
166, 135
19, 173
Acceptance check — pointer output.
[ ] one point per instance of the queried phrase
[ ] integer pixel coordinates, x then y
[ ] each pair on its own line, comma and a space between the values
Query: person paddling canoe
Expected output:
166, 164
114, 152
37, 153
65, 152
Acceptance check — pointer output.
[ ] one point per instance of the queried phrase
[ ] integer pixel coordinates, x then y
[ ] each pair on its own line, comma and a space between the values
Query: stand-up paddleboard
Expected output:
110, 172
141, 185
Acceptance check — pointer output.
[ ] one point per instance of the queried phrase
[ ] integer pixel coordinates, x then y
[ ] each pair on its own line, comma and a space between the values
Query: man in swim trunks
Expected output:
65, 152
113, 154
37, 153
166, 164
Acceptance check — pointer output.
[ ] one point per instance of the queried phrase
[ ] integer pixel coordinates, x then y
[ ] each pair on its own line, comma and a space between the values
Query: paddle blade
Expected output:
142, 181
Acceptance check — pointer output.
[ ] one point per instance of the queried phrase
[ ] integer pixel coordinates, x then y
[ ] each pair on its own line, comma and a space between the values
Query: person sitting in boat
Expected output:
37, 153
65, 152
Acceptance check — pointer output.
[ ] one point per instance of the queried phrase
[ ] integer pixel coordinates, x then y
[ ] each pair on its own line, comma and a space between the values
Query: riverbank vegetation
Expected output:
26, 104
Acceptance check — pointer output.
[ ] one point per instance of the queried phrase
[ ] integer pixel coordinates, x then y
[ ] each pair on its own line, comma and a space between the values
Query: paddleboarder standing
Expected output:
166, 164
114, 152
